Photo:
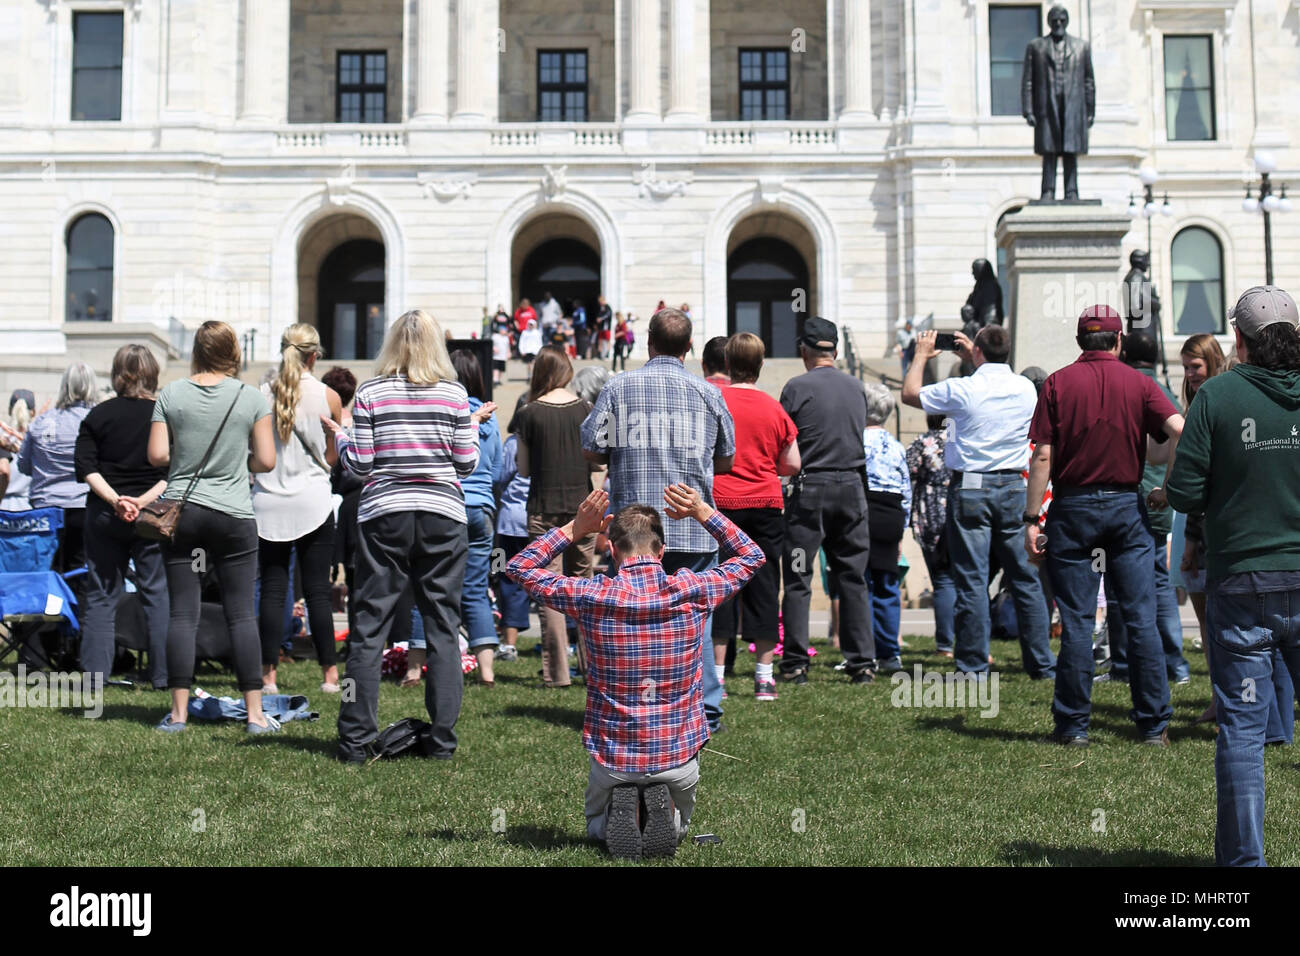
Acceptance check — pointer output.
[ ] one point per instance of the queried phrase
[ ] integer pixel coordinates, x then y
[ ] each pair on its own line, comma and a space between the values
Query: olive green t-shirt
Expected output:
192, 414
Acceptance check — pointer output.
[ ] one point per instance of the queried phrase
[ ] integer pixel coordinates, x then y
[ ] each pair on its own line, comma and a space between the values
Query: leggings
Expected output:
315, 552
208, 539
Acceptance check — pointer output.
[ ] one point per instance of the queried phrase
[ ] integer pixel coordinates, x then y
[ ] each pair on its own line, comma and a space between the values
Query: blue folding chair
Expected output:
34, 600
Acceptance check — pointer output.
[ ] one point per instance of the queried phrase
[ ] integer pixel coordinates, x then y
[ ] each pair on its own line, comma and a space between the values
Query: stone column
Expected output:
266, 61
683, 98
472, 59
431, 62
857, 60
643, 83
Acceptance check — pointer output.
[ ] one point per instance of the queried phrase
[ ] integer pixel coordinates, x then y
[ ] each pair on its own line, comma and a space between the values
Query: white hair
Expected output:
78, 386
880, 403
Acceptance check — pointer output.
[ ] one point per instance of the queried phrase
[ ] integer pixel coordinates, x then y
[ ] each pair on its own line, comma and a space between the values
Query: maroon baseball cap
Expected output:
1100, 318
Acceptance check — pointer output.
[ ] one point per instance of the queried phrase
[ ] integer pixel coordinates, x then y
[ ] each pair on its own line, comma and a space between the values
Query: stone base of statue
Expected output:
1061, 257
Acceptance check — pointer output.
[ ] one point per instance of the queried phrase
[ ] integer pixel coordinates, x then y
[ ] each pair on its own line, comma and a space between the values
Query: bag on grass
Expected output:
405, 737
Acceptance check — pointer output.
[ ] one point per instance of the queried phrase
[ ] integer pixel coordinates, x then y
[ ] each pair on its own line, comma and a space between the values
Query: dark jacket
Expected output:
1053, 132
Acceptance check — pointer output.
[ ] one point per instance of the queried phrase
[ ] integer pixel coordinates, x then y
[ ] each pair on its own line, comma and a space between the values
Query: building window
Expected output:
362, 87
1010, 30
1189, 88
562, 86
1198, 282
764, 84
90, 270
97, 66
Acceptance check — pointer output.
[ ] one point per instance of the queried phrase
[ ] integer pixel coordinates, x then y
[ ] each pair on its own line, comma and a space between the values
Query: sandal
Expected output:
409, 682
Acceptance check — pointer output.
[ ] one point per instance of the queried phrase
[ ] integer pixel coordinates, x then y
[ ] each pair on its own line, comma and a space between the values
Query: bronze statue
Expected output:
1141, 301
986, 297
1058, 98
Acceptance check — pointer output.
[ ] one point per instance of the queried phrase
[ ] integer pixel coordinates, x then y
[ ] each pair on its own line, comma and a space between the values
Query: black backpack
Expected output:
401, 738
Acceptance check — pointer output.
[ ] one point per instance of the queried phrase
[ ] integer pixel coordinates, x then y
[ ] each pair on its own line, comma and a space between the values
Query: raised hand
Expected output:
483, 413
683, 501
591, 518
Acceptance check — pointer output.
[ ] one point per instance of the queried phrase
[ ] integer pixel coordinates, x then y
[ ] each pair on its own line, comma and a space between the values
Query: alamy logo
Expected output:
74, 691
1251, 439
663, 430
951, 690
74, 909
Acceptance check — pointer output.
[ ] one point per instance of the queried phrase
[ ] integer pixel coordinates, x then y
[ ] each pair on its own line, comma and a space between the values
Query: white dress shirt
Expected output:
990, 412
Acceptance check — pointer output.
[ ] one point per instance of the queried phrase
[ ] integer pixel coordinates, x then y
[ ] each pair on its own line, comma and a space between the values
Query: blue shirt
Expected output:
660, 425
887, 465
512, 493
478, 486
48, 453
990, 413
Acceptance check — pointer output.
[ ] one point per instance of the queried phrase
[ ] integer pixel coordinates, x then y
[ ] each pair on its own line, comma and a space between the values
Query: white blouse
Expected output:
294, 498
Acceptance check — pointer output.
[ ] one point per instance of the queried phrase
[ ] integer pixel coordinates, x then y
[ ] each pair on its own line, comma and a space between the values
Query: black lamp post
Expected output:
1267, 203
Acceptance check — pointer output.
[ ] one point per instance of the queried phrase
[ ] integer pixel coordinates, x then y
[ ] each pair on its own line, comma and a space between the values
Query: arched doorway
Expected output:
350, 300
567, 268
767, 293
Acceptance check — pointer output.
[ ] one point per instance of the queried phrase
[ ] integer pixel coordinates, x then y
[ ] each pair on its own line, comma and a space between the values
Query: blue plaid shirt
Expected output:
660, 425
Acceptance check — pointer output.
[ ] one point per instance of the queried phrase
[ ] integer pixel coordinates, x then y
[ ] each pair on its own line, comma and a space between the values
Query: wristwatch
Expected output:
1028, 518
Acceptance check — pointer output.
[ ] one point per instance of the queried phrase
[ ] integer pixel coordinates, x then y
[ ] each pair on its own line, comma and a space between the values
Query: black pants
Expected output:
758, 602
1071, 163
315, 554
71, 553
205, 539
426, 552
829, 511
620, 353
110, 544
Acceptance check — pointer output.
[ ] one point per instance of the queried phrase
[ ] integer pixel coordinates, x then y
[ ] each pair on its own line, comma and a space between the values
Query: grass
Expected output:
872, 783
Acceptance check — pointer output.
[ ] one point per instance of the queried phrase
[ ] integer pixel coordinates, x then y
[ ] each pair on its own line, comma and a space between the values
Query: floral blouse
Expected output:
887, 465
930, 476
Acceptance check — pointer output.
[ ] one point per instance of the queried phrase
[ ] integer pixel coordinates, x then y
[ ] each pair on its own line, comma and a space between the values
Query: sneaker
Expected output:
891, 665
797, 676
764, 690
1159, 740
660, 835
169, 726
841, 667
864, 676
506, 652
272, 726
1067, 740
1185, 679
623, 826
725, 695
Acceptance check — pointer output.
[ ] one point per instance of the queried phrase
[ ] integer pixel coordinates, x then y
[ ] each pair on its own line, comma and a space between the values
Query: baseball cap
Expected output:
1099, 318
25, 395
818, 333
1262, 306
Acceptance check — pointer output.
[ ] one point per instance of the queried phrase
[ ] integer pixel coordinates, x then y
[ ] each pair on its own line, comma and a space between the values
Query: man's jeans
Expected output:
710, 686
1168, 621
979, 520
886, 611
1089, 529
1248, 633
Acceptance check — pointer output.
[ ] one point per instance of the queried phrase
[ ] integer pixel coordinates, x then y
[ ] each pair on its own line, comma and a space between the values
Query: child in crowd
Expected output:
641, 629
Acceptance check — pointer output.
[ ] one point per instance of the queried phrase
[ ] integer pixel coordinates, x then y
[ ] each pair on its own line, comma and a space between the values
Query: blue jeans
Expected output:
945, 600
1253, 636
983, 519
475, 605
886, 607
710, 686
514, 600
1168, 622
1083, 526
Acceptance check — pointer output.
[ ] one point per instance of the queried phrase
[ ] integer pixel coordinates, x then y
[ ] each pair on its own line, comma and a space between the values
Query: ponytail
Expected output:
298, 342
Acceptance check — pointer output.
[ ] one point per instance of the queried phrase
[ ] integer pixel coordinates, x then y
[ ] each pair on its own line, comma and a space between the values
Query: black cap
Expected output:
818, 333
26, 396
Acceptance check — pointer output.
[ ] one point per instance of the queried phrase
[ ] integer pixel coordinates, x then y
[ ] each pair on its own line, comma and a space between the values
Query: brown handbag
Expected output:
158, 519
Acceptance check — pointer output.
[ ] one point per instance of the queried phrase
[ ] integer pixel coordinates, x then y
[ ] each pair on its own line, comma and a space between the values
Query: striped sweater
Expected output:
412, 444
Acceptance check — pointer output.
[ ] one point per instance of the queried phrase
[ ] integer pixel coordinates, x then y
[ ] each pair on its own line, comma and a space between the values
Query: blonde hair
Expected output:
298, 343
21, 415
414, 348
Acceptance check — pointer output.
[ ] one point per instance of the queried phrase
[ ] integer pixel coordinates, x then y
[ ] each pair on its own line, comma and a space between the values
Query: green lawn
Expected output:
872, 783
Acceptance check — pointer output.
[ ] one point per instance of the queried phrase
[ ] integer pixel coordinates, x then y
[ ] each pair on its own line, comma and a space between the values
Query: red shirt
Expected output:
1096, 414
641, 631
763, 430
523, 317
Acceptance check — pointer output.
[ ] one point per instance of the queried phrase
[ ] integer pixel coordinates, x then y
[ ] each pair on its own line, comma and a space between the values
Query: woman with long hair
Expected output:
112, 458
1202, 360
211, 433
293, 504
14, 485
414, 439
549, 454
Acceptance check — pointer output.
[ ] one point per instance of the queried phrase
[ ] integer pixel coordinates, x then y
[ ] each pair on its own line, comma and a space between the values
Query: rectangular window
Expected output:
97, 66
362, 87
1189, 88
1010, 30
562, 86
764, 84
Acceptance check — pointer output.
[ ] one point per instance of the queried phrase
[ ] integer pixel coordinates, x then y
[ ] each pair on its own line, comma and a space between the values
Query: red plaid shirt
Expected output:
641, 630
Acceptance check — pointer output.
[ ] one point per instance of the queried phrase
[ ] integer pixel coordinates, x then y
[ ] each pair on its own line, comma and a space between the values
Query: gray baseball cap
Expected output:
1262, 306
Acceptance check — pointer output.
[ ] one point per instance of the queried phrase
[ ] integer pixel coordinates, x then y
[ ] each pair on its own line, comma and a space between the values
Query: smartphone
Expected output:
707, 838
945, 341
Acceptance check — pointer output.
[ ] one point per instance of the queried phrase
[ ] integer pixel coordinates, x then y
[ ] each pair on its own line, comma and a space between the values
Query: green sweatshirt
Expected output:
1239, 461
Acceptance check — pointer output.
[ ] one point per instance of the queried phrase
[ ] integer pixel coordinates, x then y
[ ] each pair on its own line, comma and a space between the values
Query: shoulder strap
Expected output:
212, 444
311, 452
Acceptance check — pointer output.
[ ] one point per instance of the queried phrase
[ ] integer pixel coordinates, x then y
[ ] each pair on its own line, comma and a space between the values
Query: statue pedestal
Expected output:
1061, 258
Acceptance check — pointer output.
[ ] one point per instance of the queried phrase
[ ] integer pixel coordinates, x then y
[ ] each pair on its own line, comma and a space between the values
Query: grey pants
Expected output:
426, 552
830, 511
601, 782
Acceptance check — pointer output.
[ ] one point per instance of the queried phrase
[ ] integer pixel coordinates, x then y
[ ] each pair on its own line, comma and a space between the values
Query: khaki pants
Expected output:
601, 781
578, 560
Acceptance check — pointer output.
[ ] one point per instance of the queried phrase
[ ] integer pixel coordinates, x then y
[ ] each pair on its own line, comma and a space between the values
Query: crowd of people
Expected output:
655, 513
